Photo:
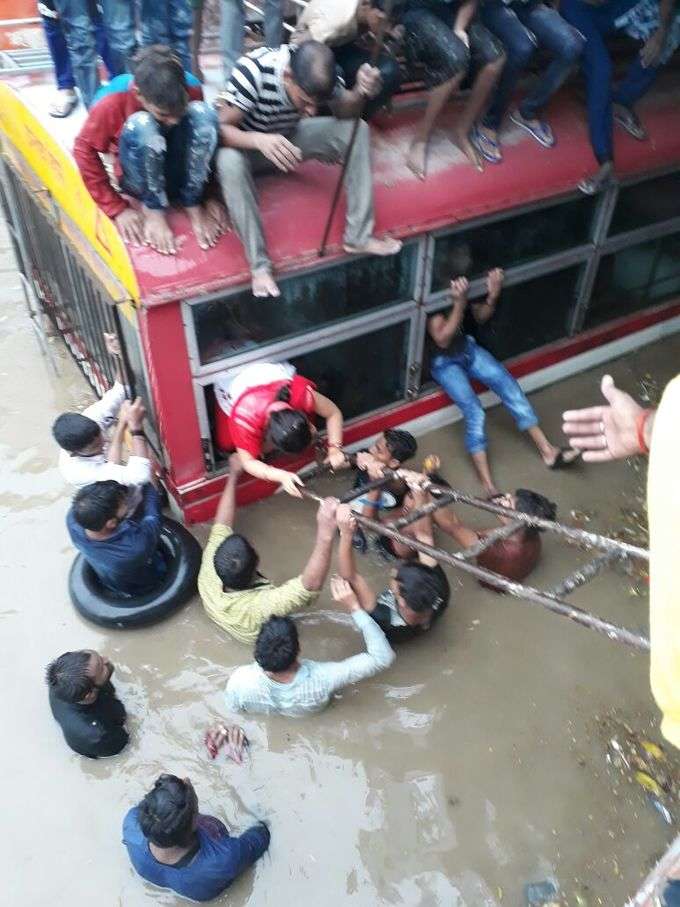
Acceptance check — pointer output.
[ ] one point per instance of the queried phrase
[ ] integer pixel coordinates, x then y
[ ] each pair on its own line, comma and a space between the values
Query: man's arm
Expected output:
105, 411
465, 15
483, 311
226, 509
259, 470
422, 528
443, 328
346, 564
316, 570
276, 148
378, 656
247, 848
653, 47
347, 104
373, 470
149, 527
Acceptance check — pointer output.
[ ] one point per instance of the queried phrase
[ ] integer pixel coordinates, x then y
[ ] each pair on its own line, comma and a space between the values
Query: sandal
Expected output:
542, 133
561, 463
486, 146
63, 104
628, 120
591, 185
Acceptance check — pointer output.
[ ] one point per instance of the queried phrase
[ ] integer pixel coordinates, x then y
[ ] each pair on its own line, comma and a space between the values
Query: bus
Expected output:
587, 278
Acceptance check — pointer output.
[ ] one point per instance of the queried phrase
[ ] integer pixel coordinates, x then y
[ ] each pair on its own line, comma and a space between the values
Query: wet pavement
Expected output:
475, 765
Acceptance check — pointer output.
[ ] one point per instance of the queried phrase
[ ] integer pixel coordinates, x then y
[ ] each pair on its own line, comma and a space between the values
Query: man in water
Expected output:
234, 594
123, 551
172, 845
84, 703
281, 682
89, 455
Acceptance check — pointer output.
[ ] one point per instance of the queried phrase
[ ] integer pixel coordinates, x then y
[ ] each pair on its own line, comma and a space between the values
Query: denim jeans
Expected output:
78, 23
595, 23
453, 374
233, 26
350, 58
168, 22
522, 27
56, 44
163, 165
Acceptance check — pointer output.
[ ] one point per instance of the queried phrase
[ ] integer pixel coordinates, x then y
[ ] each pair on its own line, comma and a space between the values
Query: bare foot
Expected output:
375, 246
462, 139
157, 232
263, 284
205, 227
416, 159
216, 210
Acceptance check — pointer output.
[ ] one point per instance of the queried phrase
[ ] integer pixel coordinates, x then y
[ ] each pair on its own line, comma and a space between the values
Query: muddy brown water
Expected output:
473, 766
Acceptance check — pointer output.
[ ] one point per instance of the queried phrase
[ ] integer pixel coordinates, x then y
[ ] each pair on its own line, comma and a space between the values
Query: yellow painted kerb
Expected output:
57, 172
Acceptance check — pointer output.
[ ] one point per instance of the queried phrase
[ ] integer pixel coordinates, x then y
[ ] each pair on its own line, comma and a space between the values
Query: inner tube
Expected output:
101, 606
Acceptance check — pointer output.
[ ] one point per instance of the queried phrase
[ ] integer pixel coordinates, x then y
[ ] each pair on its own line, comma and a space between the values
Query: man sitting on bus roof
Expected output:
88, 455
162, 136
234, 594
125, 552
268, 120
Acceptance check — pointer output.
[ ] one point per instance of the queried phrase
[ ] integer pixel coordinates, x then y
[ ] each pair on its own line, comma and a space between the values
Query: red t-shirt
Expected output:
250, 413
514, 557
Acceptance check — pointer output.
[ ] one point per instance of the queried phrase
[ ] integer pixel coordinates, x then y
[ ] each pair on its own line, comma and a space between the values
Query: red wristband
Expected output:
640, 424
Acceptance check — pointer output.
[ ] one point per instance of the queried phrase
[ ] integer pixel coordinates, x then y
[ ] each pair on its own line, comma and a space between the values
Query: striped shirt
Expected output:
256, 87
250, 690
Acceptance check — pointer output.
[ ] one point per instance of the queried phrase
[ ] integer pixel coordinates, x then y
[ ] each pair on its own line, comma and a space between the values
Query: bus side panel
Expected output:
171, 385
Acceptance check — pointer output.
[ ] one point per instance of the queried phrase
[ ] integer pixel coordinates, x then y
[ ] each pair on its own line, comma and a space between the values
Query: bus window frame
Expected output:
262, 352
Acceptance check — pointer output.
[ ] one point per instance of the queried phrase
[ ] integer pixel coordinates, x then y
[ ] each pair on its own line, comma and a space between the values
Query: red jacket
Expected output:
250, 415
100, 134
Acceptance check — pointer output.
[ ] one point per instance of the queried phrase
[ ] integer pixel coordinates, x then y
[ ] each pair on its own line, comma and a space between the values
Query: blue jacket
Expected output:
220, 858
129, 561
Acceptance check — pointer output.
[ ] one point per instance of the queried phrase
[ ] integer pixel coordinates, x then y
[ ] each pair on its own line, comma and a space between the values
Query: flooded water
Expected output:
475, 765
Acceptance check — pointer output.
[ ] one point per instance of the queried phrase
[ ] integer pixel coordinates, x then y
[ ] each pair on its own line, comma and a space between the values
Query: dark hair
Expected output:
74, 432
423, 588
235, 562
534, 504
159, 76
288, 429
313, 68
96, 504
67, 676
277, 644
166, 814
401, 444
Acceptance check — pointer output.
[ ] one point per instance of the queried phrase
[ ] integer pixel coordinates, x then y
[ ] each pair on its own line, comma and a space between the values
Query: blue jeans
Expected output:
233, 25
453, 374
595, 23
78, 23
168, 22
56, 44
522, 27
163, 165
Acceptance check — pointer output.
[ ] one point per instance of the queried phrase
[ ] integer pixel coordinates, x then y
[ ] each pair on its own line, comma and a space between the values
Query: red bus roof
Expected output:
295, 206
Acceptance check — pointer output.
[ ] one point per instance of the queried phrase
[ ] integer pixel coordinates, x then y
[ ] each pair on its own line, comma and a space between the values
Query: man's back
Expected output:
93, 730
241, 612
250, 690
203, 875
514, 557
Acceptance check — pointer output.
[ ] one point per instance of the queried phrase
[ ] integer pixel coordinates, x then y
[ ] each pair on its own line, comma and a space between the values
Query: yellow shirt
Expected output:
331, 22
663, 504
243, 611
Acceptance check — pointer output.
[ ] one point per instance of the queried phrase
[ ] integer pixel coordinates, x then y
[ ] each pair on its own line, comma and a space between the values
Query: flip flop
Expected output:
628, 120
542, 133
591, 185
482, 143
62, 106
560, 462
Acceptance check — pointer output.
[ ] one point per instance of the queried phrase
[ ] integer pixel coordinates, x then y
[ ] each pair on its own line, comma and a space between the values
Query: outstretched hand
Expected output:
343, 594
234, 738
605, 432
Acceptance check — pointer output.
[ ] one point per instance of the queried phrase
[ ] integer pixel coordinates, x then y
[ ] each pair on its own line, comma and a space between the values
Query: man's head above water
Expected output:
78, 434
235, 562
77, 677
167, 814
277, 646
310, 78
393, 447
101, 507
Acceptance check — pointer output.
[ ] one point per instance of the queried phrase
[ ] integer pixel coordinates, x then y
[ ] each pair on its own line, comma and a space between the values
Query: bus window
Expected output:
512, 241
645, 203
635, 278
307, 302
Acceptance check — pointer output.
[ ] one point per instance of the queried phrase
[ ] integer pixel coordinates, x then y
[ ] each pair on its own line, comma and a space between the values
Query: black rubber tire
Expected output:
102, 607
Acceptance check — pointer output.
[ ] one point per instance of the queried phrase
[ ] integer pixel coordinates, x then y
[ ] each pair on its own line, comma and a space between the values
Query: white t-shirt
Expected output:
229, 386
331, 22
81, 471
